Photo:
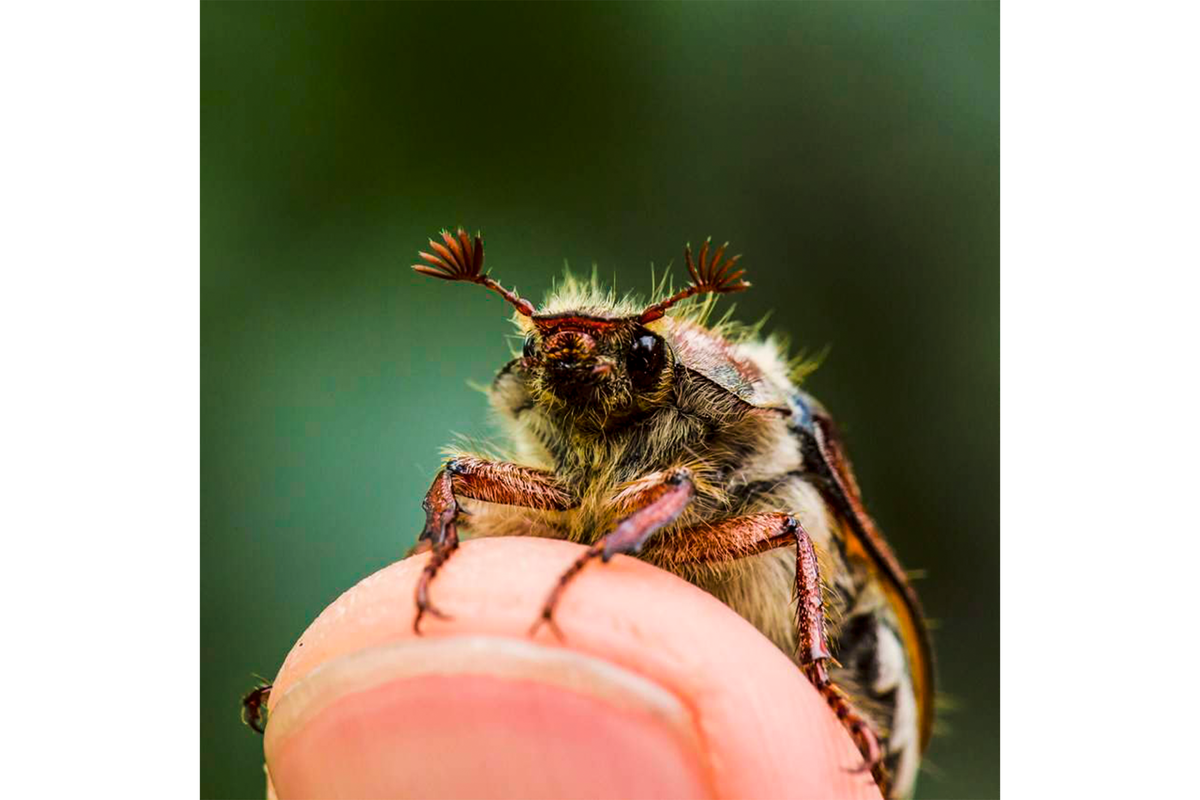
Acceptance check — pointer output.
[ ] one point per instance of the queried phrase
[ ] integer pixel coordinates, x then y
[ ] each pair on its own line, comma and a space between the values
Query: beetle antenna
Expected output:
712, 276
461, 259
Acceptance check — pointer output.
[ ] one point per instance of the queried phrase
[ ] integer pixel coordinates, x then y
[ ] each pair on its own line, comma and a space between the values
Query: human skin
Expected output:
658, 691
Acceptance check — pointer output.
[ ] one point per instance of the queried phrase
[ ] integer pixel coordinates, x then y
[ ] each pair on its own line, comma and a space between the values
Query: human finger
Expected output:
659, 691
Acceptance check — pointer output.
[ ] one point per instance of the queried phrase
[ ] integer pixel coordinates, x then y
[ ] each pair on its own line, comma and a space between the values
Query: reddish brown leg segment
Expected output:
813, 654
480, 480
441, 531
856, 725
547, 616
661, 500
745, 536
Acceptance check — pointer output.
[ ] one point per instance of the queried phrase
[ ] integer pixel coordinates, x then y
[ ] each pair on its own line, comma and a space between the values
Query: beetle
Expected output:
647, 429
644, 429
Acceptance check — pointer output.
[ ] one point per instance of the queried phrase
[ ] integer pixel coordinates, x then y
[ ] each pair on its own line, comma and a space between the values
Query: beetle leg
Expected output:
441, 534
253, 706
662, 498
750, 535
493, 482
813, 655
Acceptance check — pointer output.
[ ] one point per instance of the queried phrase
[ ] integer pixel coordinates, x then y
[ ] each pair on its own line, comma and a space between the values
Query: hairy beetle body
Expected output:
647, 430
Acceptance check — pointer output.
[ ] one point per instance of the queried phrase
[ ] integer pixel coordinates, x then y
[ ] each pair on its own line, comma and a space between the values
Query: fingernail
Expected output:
481, 717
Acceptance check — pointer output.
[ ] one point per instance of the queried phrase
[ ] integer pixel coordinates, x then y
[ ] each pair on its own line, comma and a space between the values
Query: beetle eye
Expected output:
530, 348
645, 356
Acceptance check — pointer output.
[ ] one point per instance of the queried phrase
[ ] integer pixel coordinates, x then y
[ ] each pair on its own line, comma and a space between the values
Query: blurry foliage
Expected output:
850, 150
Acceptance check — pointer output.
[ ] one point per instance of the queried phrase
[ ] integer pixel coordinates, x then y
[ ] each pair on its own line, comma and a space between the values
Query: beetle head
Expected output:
590, 361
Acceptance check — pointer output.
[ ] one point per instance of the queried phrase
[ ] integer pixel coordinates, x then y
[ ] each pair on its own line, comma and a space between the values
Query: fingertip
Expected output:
482, 717
756, 727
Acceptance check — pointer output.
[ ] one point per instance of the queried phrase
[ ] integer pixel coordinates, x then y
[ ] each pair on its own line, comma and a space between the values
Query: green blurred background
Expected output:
851, 151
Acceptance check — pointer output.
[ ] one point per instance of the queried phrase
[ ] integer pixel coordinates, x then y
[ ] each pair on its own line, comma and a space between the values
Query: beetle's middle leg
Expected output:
740, 537
491, 481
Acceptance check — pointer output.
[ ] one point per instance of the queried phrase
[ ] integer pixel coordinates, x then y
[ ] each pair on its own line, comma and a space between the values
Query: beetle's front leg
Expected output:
493, 482
659, 499
441, 534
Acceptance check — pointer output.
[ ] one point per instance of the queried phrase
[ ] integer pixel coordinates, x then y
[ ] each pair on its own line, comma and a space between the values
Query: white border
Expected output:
99, 320
1098, 309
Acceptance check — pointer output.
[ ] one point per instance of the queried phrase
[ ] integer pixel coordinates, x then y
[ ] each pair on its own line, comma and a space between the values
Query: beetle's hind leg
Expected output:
254, 706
